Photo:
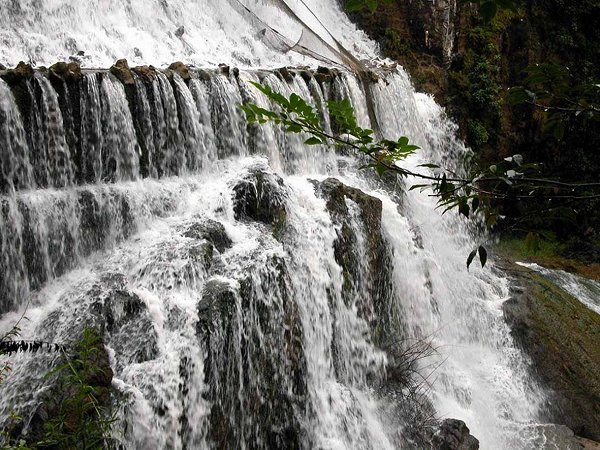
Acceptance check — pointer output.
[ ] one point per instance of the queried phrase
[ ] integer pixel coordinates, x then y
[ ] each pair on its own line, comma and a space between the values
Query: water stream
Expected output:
122, 208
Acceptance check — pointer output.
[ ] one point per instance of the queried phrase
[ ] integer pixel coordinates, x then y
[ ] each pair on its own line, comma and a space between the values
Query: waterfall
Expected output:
252, 292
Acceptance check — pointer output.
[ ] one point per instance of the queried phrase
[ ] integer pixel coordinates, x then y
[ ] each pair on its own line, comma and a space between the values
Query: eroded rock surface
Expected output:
562, 337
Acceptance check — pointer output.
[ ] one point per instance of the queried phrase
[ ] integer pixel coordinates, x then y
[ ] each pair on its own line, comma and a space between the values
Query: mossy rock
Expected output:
261, 347
69, 72
562, 337
336, 193
122, 71
22, 72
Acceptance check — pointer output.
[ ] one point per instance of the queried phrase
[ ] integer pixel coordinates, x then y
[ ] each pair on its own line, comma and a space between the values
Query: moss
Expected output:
478, 135
549, 254
562, 337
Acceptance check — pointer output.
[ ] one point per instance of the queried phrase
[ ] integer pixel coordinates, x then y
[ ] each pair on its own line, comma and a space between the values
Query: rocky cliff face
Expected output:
469, 66
562, 337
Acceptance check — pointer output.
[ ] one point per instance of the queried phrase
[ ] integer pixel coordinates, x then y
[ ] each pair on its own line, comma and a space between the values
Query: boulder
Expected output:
124, 319
209, 230
69, 72
148, 73
216, 305
122, 71
259, 349
562, 337
453, 434
20, 73
181, 69
261, 196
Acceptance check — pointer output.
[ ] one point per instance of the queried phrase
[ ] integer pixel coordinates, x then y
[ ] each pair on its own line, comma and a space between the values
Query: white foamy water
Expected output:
269, 340
146, 32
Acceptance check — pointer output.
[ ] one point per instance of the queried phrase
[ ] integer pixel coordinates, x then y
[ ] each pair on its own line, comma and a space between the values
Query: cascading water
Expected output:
246, 299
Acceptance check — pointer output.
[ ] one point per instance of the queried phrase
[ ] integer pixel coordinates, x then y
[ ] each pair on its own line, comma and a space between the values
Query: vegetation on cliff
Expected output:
547, 48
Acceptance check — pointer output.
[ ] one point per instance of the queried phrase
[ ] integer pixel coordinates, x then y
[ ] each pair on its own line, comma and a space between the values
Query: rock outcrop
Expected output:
363, 224
241, 326
453, 434
122, 71
261, 197
562, 337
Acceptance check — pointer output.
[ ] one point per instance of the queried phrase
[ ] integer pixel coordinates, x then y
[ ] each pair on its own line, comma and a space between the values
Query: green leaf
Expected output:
475, 204
429, 166
313, 141
471, 258
482, 255
294, 128
380, 169
417, 186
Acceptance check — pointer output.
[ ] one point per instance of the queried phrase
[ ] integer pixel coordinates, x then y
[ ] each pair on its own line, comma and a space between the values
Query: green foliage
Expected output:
79, 420
475, 194
482, 256
395, 44
478, 135
552, 89
297, 116
82, 420
487, 8
357, 5
475, 91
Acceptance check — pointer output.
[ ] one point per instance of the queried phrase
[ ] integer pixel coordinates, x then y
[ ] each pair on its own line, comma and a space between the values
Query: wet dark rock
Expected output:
129, 327
124, 319
286, 74
180, 31
69, 72
148, 73
2, 66
181, 69
225, 69
20, 73
261, 196
345, 247
121, 70
209, 230
261, 348
202, 252
562, 337
306, 75
217, 304
453, 434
